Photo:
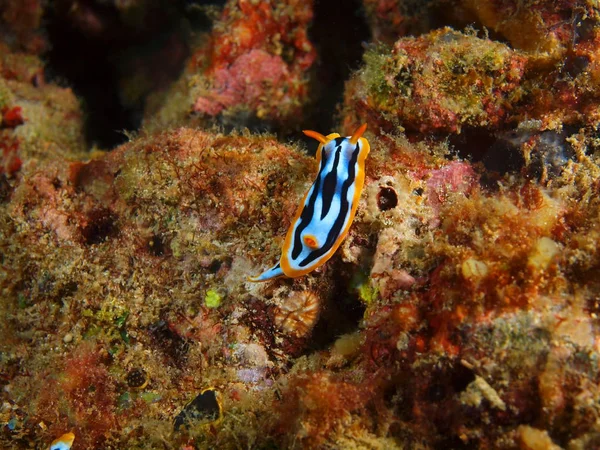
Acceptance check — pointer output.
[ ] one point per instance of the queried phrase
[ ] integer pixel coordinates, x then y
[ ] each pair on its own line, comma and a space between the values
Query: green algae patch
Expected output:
367, 293
212, 299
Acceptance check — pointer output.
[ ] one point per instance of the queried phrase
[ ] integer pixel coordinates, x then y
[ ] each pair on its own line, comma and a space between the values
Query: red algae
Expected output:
11, 162
87, 391
319, 407
11, 117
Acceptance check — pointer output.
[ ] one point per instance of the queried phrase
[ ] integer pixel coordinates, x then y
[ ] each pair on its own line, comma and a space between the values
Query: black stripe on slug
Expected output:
307, 213
338, 225
330, 183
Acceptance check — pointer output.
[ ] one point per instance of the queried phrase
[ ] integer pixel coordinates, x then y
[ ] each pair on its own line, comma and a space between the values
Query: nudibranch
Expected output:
324, 216
65, 442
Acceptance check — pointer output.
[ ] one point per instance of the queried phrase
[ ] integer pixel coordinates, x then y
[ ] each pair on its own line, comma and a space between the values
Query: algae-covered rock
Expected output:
41, 121
439, 82
252, 70
442, 82
126, 254
461, 311
469, 316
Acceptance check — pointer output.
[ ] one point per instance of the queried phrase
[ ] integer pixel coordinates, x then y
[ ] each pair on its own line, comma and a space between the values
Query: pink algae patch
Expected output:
243, 82
456, 177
